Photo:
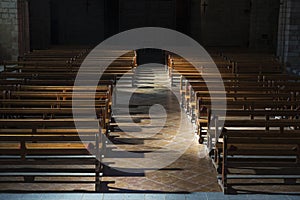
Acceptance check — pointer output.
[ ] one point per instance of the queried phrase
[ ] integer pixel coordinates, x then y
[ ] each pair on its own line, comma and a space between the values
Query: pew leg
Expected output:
29, 179
290, 181
216, 156
229, 190
98, 187
200, 133
201, 140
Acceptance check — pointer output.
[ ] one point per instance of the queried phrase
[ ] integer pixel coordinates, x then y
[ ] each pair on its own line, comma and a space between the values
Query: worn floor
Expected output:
130, 196
171, 145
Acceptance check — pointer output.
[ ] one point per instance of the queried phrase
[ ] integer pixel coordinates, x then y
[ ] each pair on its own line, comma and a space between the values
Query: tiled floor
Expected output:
191, 172
128, 196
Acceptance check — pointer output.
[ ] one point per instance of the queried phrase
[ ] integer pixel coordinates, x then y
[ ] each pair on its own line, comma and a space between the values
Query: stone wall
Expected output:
264, 24
8, 30
289, 34
293, 55
244, 23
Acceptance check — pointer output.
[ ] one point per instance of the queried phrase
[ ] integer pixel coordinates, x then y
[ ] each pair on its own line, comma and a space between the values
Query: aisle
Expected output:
191, 172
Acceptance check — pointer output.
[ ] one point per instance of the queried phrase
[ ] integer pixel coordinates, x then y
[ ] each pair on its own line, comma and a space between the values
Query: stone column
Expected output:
8, 30
289, 35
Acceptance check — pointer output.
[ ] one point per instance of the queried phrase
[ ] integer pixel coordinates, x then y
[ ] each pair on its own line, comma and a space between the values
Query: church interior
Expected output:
150, 99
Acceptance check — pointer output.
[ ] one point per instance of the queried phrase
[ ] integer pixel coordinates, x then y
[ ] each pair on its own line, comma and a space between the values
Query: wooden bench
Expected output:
29, 144
257, 63
37, 126
105, 80
43, 99
250, 108
237, 94
59, 90
49, 109
189, 97
63, 67
179, 65
270, 154
197, 89
41, 65
261, 106
43, 76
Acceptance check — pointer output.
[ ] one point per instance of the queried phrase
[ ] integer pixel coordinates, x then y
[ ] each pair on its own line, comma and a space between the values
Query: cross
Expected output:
204, 5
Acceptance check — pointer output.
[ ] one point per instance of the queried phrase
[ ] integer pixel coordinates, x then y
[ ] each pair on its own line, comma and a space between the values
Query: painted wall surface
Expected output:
141, 13
81, 23
225, 23
39, 20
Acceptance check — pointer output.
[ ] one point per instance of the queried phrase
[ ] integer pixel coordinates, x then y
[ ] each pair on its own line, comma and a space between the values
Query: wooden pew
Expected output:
33, 143
43, 76
263, 107
188, 84
238, 94
252, 62
57, 97
179, 66
106, 79
50, 109
13, 90
271, 154
50, 64
36, 67
37, 125
34, 103
249, 108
